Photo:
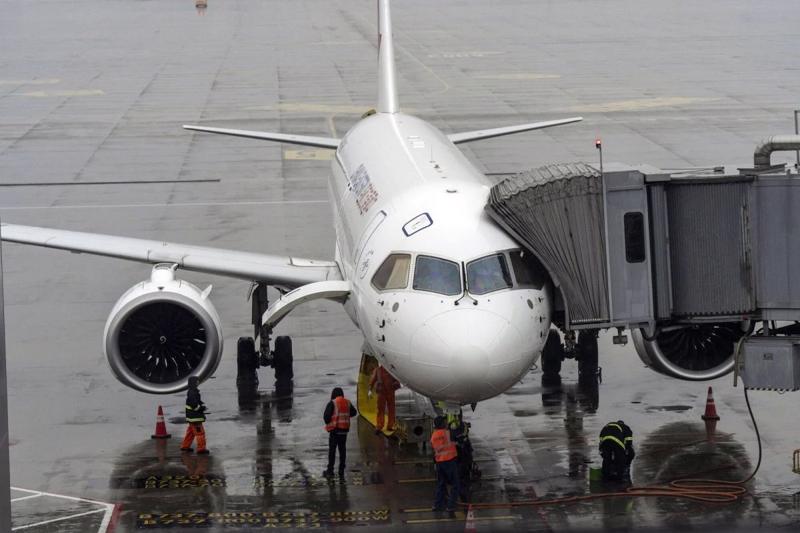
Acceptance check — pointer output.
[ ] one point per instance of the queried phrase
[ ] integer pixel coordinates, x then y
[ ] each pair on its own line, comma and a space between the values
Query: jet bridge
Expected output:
690, 261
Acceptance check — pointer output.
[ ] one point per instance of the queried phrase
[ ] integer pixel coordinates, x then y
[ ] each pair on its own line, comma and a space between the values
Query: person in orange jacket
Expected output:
445, 455
383, 383
337, 417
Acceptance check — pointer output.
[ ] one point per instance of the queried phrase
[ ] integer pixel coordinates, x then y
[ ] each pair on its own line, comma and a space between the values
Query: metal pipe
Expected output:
5, 479
776, 143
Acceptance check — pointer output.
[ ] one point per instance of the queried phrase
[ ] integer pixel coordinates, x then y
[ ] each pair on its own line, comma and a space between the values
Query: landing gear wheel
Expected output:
587, 356
283, 359
246, 361
552, 355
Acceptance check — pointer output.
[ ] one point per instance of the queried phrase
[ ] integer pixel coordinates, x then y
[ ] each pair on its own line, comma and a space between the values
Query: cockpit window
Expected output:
488, 274
528, 270
393, 273
437, 275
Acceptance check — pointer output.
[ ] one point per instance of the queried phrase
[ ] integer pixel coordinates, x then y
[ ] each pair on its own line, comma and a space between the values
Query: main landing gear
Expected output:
584, 350
249, 358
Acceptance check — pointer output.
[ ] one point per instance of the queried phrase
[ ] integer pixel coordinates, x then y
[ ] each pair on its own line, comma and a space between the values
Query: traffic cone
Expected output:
469, 526
161, 426
711, 408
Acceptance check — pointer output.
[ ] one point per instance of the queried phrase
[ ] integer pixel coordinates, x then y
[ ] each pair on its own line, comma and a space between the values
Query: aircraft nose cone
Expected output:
463, 350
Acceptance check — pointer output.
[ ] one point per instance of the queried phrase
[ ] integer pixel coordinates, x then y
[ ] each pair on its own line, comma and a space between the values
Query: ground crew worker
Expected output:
616, 447
384, 384
445, 455
195, 416
337, 417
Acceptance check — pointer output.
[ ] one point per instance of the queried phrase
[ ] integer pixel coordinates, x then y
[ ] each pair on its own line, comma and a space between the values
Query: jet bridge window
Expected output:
488, 274
393, 273
432, 274
528, 270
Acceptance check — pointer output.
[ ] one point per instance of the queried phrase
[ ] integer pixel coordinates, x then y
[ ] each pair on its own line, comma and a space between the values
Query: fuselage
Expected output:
445, 299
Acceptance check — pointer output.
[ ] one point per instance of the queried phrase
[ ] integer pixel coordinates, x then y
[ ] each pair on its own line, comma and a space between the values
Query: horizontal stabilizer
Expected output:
303, 140
477, 135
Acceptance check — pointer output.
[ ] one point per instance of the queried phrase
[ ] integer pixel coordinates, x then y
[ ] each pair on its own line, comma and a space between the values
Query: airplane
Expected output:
446, 300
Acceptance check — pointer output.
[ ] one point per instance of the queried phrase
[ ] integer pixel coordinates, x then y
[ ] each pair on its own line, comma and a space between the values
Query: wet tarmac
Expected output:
92, 96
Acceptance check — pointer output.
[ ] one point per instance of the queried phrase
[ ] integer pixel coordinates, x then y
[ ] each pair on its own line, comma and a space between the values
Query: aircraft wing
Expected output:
287, 272
303, 140
477, 135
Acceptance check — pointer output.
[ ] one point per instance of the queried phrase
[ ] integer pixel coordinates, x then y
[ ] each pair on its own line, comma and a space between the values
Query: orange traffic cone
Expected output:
711, 408
469, 526
161, 426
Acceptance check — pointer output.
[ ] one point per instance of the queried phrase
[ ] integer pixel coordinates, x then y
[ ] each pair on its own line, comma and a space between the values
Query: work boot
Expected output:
327, 473
187, 449
203, 452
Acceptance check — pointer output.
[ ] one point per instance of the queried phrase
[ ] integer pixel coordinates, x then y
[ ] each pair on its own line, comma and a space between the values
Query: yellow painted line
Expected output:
639, 104
79, 92
308, 155
477, 519
44, 81
519, 76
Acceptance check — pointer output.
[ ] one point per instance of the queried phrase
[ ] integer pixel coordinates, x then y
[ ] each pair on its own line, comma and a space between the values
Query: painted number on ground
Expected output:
256, 520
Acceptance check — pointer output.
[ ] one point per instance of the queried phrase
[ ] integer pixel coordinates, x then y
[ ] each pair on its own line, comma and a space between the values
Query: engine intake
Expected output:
162, 331
693, 353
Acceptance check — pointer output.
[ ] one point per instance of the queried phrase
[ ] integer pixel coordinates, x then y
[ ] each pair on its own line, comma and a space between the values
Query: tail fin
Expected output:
387, 88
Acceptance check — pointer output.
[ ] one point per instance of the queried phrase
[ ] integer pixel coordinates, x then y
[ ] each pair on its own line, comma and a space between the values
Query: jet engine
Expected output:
162, 331
696, 352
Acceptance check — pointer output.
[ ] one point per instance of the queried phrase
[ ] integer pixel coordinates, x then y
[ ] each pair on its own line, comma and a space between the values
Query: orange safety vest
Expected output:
443, 448
340, 419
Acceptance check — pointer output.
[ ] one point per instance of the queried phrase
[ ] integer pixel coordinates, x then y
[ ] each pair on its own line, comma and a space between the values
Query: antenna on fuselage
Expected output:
387, 88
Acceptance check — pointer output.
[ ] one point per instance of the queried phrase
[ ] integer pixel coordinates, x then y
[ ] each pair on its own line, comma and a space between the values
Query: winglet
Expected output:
387, 87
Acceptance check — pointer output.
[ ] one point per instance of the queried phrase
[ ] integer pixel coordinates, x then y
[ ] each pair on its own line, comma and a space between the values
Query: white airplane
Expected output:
446, 300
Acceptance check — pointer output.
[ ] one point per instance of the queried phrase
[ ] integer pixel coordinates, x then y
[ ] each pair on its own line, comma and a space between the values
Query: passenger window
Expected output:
488, 274
393, 273
432, 274
528, 270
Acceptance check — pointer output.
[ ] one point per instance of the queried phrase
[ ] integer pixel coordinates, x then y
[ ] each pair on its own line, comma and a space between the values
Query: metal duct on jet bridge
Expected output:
776, 143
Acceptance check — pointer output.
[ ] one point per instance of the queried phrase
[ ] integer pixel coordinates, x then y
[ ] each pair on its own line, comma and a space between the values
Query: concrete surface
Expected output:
93, 91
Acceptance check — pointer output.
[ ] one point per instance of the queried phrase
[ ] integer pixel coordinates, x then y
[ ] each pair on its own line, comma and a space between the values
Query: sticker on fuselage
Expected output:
365, 193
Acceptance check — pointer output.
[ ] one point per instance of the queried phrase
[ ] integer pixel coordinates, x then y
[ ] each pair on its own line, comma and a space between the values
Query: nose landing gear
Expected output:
584, 350
249, 359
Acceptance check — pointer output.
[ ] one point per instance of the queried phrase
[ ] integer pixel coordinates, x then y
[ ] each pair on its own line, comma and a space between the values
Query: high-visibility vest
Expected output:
340, 419
443, 448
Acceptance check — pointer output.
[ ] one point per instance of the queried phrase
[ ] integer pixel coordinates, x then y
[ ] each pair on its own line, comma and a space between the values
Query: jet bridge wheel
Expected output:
282, 358
552, 355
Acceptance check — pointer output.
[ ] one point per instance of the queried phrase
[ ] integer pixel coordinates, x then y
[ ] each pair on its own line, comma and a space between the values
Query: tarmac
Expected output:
92, 97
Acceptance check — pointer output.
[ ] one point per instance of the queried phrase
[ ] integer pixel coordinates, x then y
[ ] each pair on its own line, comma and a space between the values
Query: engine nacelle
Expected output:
692, 352
162, 331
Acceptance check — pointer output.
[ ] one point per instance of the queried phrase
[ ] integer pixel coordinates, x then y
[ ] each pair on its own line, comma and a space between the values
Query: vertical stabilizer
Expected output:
387, 88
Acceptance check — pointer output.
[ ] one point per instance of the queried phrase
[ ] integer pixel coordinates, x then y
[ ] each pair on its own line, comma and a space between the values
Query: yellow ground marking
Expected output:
476, 519
44, 81
79, 92
639, 104
309, 154
519, 76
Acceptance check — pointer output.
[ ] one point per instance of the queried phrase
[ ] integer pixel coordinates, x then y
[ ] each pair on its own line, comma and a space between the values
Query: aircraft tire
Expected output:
283, 359
587, 356
552, 355
246, 360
